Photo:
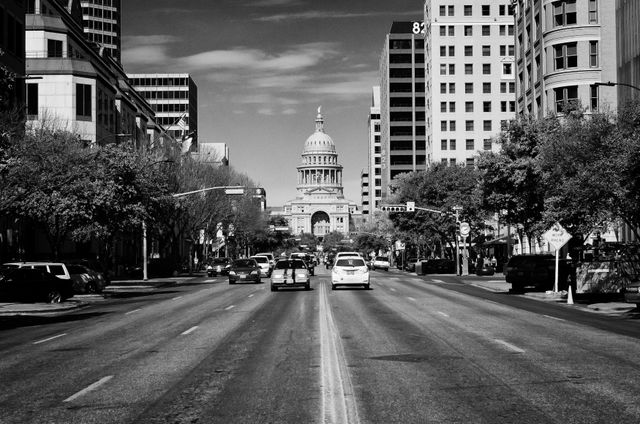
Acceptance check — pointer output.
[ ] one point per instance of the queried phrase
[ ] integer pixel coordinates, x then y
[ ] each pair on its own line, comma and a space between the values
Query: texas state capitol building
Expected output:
320, 206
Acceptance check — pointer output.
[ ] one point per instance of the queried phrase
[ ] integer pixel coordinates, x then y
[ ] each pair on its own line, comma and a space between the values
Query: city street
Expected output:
410, 350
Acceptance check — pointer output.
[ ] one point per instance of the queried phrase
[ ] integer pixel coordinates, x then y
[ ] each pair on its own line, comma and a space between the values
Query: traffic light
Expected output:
393, 208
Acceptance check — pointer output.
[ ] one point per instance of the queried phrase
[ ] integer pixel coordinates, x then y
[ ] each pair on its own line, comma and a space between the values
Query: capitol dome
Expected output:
319, 141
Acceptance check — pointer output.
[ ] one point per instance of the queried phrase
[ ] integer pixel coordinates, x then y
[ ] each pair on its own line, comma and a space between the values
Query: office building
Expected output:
102, 24
371, 178
402, 104
563, 48
469, 77
628, 48
174, 98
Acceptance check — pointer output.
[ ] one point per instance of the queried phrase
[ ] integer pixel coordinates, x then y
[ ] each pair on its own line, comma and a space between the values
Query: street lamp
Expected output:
612, 84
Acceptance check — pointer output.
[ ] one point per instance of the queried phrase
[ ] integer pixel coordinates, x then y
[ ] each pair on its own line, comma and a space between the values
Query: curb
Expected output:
21, 309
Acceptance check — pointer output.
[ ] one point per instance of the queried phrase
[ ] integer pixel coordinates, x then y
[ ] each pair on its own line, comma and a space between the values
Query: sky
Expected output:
263, 67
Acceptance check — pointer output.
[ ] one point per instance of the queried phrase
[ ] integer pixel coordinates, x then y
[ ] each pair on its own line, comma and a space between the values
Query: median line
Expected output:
89, 388
338, 398
50, 338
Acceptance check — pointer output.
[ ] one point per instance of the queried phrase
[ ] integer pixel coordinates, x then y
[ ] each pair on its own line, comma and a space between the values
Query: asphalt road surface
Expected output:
410, 350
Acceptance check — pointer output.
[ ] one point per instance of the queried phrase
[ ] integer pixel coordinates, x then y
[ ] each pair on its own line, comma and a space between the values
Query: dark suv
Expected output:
538, 271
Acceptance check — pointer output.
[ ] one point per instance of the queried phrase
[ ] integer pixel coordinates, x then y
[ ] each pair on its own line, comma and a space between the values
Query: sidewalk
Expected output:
117, 287
611, 304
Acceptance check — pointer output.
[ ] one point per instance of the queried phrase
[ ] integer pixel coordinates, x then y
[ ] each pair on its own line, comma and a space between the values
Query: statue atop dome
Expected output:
319, 120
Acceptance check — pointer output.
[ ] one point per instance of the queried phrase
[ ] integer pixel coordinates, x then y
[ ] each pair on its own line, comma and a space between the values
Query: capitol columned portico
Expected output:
320, 206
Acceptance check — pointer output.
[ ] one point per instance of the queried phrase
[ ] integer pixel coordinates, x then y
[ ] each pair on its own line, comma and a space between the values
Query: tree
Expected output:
575, 161
441, 188
511, 180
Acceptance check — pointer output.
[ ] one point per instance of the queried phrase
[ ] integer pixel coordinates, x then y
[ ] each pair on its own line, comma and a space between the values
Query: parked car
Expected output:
438, 266
244, 270
485, 270
632, 293
410, 264
263, 263
538, 271
380, 262
33, 285
290, 273
349, 271
308, 259
58, 269
86, 280
218, 266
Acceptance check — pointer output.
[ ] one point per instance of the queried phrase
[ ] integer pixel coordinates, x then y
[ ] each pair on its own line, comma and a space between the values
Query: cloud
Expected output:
146, 49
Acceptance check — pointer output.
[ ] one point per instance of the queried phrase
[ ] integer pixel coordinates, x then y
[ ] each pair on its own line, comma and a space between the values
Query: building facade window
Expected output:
443, 144
83, 101
468, 10
486, 125
468, 87
486, 10
593, 11
565, 96
594, 97
486, 69
486, 144
564, 13
452, 88
32, 100
486, 50
54, 48
452, 145
468, 30
468, 125
468, 68
486, 30
468, 50
565, 56
468, 107
593, 54
470, 144
486, 87
486, 106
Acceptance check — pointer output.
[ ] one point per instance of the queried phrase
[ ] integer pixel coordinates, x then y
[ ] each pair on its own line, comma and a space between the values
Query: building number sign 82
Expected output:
418, 28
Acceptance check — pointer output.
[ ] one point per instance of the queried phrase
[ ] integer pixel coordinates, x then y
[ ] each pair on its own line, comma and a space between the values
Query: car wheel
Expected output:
367, 286
307, 286
54, 296
231, 282
333, 286
273, 288
91, 288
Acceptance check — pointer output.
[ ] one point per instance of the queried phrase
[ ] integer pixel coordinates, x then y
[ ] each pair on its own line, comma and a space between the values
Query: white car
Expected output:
350, 271
380, 262
263, 263
272, 259
348, 255
56, 268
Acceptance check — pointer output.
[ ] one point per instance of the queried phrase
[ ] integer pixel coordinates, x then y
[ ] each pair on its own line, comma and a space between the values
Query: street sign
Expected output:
556, 236
465, 229
234, 191
411, 206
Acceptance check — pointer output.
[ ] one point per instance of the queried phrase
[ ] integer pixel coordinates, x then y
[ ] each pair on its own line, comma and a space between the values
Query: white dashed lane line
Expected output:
50, 338
89, 388
509, 346
176, 298
229, 307
557, 319
191, 330
411, 298
251, 295
131, 312
443, 314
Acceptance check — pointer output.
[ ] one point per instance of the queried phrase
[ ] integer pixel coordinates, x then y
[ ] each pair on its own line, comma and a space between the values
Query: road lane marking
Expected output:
392, 289
209, 281
438, 281
229, 307
89, 388
509, 346
338, 398
50, 338
251, 295
549, 316
443, 314
176, 298
131, 312
191, 330
411, 298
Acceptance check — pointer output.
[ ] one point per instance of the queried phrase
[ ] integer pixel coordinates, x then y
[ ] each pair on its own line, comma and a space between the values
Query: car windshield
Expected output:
76, 269
351, 262
261, 259
220, 261
290, 264
244, 263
